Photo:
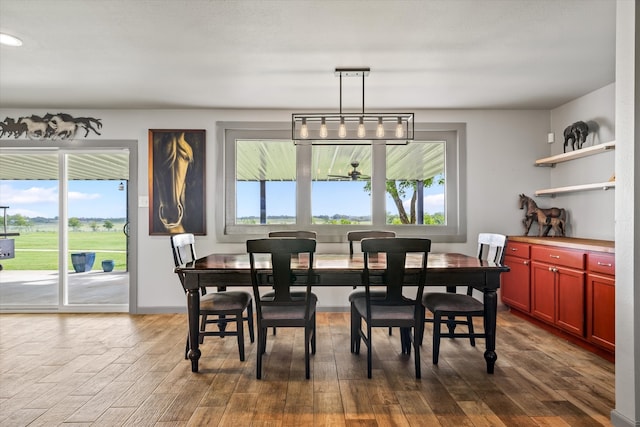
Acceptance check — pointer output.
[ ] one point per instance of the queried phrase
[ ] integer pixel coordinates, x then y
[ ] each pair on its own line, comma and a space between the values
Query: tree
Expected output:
107, 224
398, 190
93, 225
19, 221
74, 223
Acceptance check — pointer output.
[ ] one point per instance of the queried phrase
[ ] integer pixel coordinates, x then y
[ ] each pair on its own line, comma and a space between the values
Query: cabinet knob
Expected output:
514, 249
555, 256
526, 262
604, 264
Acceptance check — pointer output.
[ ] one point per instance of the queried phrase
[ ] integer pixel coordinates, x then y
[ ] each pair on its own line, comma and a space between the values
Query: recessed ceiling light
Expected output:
9, 40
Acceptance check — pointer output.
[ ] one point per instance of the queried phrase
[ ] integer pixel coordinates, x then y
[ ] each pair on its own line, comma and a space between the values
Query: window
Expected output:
270, 183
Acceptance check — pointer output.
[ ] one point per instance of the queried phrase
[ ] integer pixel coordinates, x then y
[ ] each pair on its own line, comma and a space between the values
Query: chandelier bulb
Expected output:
380, 129
342, 129
304, 130
323, 128
399, 129
361, 130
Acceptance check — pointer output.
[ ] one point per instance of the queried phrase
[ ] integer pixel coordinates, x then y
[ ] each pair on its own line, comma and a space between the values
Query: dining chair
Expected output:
455, 305
395, 309
219, 308
281, 309
357, 236
299, 234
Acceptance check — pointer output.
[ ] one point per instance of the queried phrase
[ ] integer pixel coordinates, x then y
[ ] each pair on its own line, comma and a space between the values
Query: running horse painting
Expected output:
176, 182
547, 216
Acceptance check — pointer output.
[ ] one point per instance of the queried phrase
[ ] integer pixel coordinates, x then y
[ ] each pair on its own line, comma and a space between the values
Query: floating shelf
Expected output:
574, 188
576, 154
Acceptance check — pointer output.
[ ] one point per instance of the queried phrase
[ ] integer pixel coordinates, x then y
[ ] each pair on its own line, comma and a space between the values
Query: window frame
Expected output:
455, 230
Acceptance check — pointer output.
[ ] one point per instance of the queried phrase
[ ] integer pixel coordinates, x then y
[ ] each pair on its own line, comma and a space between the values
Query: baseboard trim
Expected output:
183, 309
619, 420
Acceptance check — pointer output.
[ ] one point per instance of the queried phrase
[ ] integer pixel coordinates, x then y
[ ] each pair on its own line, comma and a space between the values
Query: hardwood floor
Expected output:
118, 369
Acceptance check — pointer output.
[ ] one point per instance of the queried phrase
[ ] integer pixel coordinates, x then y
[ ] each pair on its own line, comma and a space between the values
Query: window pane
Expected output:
265, 182
341, 186
416, 183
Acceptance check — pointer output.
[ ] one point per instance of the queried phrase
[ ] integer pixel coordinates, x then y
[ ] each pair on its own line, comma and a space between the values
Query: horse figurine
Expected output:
577, 134
531, 215
556, 224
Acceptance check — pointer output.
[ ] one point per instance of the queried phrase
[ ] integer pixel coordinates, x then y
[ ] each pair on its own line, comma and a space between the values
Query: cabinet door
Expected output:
543, 292
515, 287
570, 300
601, 306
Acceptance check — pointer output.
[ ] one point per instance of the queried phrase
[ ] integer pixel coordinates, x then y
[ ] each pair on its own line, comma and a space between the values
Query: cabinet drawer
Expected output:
559, 257
604, 263
517, 249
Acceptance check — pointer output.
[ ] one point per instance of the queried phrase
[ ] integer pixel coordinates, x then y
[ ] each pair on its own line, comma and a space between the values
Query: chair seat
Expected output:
361, 293
450, 302
288, 312
227, 300
385, 312
294, 295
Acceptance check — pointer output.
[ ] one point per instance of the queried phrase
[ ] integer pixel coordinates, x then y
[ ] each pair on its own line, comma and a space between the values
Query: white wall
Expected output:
591, 213
501, 149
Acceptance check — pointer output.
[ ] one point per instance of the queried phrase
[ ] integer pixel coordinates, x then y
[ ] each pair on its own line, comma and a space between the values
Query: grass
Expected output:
38, 250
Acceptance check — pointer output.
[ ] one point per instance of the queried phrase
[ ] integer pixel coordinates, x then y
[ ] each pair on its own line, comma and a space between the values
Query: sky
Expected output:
87, 199
102, 199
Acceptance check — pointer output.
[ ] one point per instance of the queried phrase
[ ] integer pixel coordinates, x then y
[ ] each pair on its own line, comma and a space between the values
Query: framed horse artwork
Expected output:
177, 181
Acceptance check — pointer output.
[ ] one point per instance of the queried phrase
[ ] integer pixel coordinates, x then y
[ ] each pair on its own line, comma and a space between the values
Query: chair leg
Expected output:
307, 343
416, 350
186, 348
250, 321
313, 335
472, 338
203, 326
240, 326
390, 331
369, 351
358, 334
222, 325
436, 337
355, 319
259, 355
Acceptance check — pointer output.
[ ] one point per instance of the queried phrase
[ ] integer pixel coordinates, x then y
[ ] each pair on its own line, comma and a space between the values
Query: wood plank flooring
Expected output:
118, 369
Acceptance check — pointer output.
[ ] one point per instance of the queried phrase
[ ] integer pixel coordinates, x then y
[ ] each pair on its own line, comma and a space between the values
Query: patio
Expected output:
40, 288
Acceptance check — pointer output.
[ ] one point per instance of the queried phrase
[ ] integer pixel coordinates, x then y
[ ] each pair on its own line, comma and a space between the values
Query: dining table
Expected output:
448, 270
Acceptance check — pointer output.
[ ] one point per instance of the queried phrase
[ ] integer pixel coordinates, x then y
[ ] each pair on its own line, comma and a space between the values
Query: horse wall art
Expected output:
176, 181
532, 215
49, 126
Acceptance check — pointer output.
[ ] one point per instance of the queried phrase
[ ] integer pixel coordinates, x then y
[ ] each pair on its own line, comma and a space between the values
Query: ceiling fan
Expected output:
354, 175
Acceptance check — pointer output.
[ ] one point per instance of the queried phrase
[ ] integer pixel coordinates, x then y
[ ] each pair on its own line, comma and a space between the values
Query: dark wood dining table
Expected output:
444, 269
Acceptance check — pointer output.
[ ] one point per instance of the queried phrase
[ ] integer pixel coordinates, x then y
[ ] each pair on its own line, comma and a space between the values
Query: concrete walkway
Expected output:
40, 288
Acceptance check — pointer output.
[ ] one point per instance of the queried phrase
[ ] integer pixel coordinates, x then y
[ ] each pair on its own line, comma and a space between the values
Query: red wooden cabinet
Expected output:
515, 288
572, 288
558, 287
601, 307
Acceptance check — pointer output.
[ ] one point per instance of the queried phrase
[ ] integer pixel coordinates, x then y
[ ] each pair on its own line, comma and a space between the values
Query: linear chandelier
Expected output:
332, 127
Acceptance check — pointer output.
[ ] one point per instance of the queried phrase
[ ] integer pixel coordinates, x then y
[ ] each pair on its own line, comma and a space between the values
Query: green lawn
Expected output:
38, 250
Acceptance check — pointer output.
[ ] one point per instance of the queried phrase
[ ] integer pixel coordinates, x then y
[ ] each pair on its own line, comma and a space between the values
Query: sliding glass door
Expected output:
70, 209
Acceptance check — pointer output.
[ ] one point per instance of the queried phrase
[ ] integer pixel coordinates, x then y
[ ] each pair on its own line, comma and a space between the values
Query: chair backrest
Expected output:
280, 270
298, 234
357, 236
396, 249
491, 247
184, 248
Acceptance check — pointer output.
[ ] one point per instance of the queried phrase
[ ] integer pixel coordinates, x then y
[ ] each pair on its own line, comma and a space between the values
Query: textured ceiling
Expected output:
281, 54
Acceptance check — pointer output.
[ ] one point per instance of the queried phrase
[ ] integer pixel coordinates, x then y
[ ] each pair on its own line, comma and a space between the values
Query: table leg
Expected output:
193, 311
490, 315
